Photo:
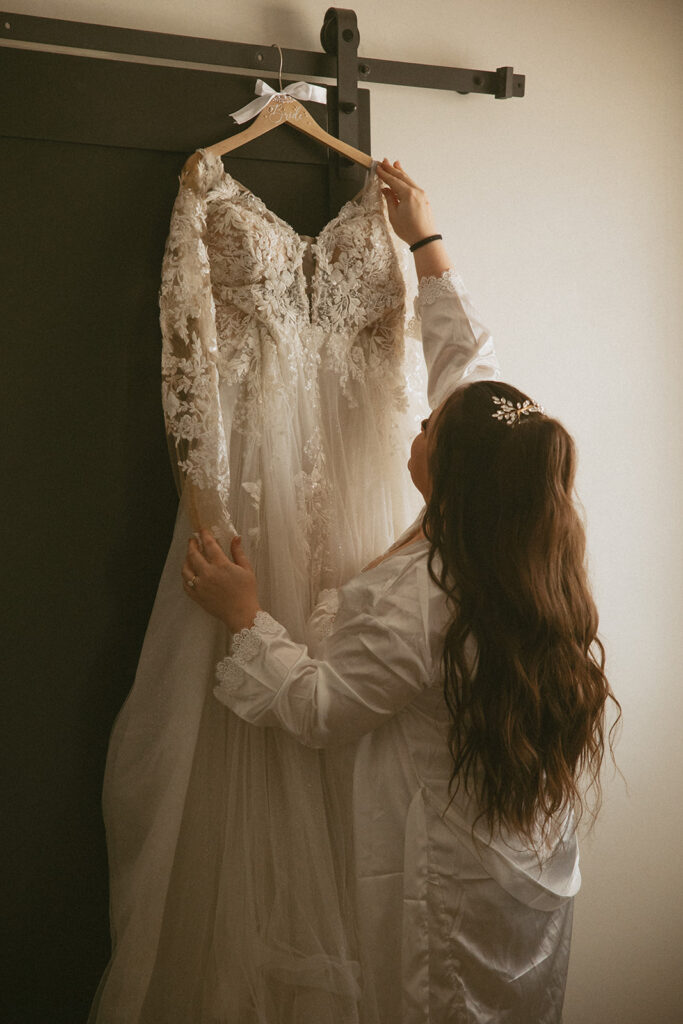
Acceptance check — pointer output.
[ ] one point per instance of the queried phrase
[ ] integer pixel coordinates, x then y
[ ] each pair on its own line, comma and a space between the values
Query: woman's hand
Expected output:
224, 588
410, 215
408, 208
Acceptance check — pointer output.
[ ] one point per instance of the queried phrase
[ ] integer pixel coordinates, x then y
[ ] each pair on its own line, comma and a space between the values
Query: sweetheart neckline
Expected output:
305, 240
305, 243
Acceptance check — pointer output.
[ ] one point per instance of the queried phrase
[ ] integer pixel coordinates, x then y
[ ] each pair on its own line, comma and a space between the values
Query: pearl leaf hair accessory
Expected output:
512, 414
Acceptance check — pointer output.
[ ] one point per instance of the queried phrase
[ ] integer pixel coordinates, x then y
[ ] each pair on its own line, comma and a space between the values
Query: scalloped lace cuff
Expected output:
245, 645
432, 288
248, 642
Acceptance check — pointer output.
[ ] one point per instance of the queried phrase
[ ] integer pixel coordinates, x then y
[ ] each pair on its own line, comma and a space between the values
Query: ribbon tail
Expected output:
251, 109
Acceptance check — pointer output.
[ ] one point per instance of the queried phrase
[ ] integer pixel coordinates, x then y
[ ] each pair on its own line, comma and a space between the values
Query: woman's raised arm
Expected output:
457, 346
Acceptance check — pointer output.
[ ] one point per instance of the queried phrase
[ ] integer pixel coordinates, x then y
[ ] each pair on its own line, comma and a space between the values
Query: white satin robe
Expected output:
451, 930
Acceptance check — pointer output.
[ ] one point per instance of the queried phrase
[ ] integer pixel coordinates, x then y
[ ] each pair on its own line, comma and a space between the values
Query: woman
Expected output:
461, 677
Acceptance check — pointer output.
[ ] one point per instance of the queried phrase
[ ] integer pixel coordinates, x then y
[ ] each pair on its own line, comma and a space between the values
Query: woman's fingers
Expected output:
190, 577
398, 170
190, 585
238, 555
400, 187
396, 176
194, 561
389, 195
199, 558
408, 207
213, 552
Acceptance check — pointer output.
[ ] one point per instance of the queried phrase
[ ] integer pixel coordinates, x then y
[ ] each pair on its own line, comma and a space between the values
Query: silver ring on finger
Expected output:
193, 582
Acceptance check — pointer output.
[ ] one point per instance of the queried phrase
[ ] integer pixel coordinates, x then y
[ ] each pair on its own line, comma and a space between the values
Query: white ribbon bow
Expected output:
298, 90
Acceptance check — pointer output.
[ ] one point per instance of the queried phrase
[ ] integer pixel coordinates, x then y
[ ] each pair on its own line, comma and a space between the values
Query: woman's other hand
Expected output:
224, 588
408, 208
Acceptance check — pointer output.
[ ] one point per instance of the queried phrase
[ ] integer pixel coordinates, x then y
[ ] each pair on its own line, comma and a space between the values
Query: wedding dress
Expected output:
284, 391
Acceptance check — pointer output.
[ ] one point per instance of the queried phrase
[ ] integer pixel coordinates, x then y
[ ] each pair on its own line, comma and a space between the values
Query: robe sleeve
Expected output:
458, 348
372, 667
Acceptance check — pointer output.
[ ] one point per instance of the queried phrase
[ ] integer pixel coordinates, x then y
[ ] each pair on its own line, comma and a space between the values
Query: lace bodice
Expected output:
256, 260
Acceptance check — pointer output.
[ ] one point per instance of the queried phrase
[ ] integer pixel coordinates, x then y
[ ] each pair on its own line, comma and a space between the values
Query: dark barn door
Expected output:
90, 153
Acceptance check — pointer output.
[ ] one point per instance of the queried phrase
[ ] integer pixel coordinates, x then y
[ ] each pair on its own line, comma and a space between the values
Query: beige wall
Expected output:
563, 213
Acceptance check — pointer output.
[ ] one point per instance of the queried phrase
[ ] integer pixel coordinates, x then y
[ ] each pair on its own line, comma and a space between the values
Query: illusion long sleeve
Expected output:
190, 388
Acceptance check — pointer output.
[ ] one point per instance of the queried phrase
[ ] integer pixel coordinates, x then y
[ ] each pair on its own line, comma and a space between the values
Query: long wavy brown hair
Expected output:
523, 665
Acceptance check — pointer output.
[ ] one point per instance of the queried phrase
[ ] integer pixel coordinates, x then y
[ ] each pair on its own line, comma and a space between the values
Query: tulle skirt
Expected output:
227, 847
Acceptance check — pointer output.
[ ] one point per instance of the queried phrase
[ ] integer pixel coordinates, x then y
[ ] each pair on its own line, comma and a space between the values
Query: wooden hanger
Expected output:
282, 110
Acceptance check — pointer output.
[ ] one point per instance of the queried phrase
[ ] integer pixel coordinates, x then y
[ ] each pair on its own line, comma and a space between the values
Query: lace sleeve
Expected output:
190, 396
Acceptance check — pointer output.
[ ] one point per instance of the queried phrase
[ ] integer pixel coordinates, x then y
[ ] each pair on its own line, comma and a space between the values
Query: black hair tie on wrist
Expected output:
425, 241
